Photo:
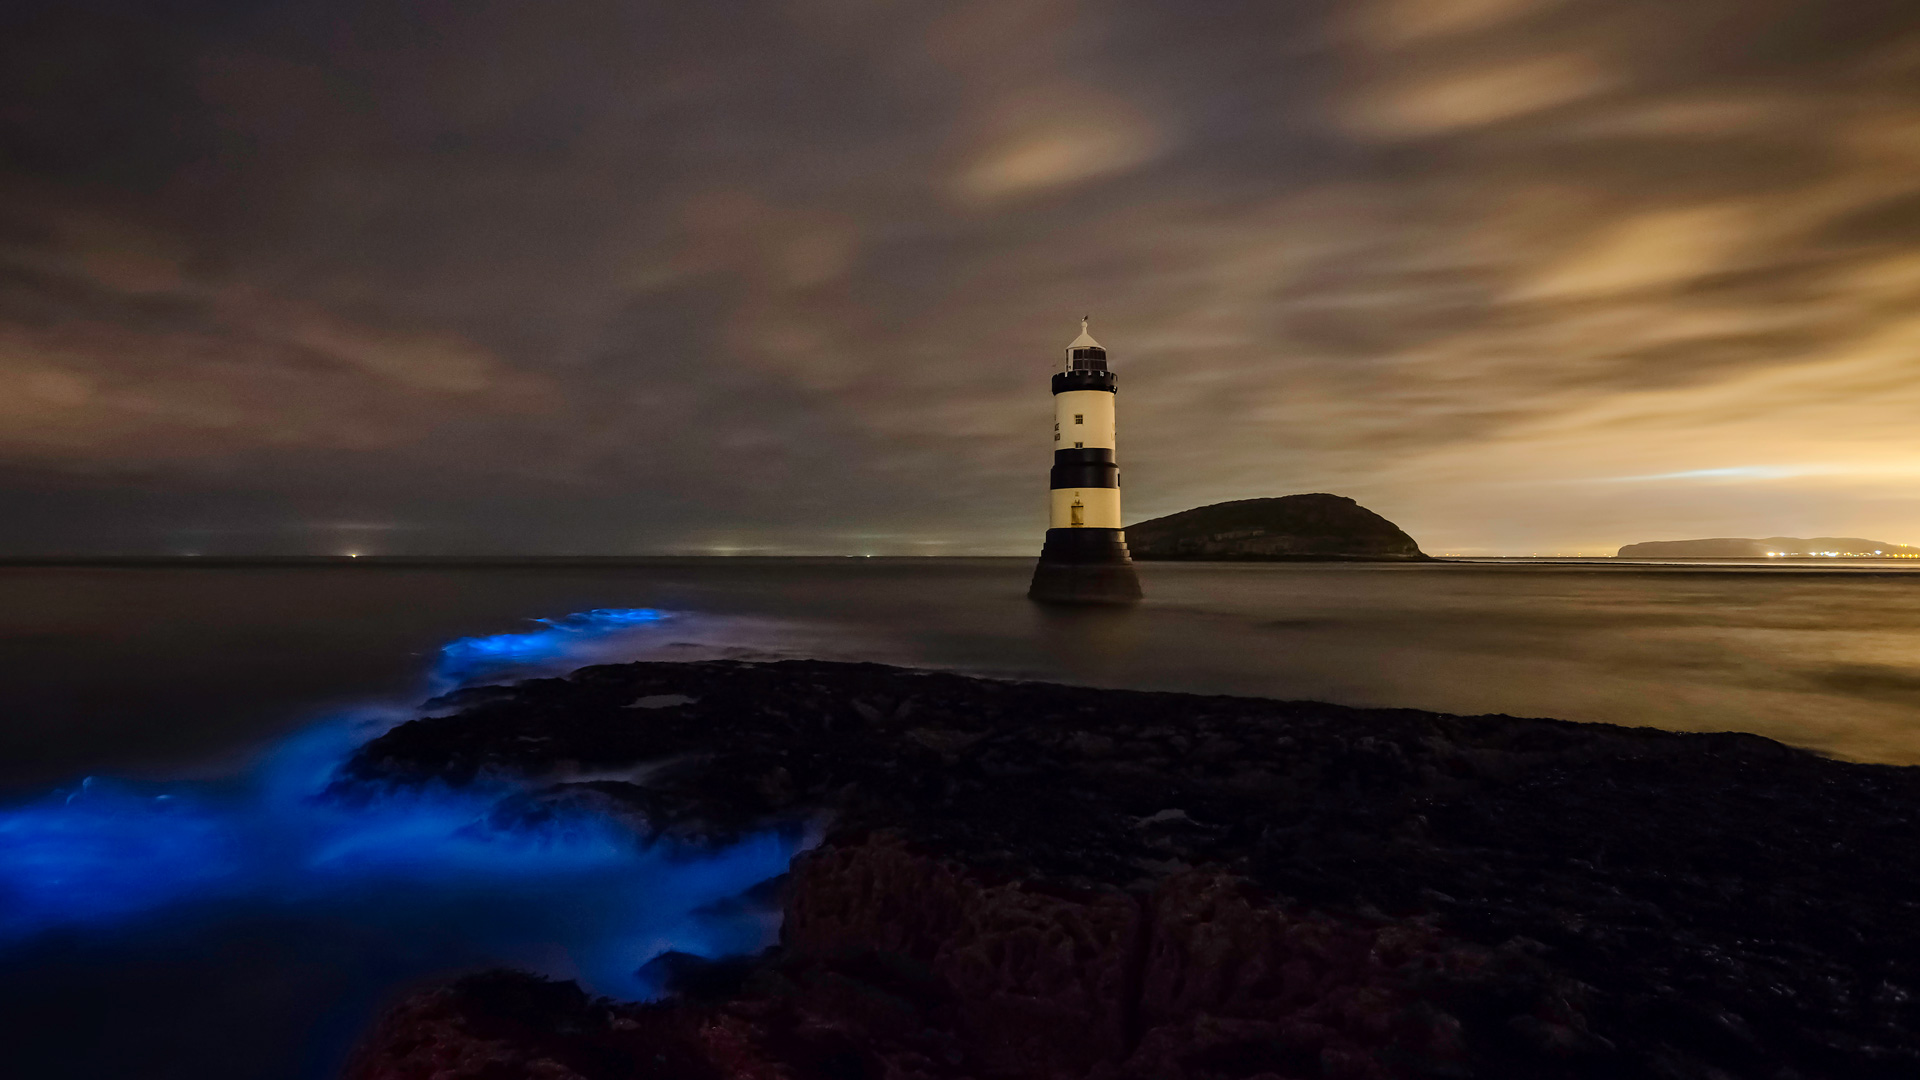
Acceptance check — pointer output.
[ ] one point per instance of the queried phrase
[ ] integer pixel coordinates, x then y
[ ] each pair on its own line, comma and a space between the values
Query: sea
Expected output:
176, 899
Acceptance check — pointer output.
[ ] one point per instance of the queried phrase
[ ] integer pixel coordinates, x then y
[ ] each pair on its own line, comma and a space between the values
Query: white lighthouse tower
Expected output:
1085, 558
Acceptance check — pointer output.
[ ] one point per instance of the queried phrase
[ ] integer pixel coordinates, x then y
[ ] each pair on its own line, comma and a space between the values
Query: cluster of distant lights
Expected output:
1770, 555
1836, 555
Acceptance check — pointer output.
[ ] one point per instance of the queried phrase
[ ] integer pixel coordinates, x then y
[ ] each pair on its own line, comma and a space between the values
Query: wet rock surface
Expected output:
1025, 879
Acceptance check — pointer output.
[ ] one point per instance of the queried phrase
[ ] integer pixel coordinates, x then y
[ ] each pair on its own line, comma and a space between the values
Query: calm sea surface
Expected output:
158, 670
194, 911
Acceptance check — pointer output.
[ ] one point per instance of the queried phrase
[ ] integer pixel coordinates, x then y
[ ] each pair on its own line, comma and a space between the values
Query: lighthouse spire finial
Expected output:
1085, 340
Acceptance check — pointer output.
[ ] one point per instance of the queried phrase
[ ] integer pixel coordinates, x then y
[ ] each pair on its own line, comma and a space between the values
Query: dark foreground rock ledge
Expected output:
1028, 880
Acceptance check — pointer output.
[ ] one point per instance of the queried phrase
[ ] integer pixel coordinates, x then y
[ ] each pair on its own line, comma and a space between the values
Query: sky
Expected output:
599, 277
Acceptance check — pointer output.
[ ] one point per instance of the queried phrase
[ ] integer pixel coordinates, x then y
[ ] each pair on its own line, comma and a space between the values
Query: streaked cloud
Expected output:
1732, 472
1393, 23
1475, 94
624, 275
1053, 143
1661, 248
1064, 154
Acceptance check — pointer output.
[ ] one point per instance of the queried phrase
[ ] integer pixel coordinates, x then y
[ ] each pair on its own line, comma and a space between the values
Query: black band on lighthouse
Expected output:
1064, 381
1086, 547
1083, 467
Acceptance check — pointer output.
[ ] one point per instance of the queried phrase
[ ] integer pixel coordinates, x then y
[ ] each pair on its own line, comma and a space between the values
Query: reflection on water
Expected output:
1827, 660
1090, 644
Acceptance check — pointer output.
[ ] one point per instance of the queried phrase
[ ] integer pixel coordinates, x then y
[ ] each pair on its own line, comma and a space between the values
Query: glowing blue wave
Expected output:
575, 636
578, 895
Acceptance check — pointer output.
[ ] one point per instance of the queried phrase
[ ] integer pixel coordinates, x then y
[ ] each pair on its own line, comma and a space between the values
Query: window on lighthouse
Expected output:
1079, 418
1077, 518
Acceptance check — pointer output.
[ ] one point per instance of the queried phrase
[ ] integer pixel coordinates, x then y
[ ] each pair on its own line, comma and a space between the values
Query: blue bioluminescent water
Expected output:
390, 887
577, 637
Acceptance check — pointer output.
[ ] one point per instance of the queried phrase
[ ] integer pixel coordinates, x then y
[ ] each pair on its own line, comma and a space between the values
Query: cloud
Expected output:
116, 350
1732, 472
649, 274
1030, 120
1396, 23
1051, 145
1661, 248
1476, 95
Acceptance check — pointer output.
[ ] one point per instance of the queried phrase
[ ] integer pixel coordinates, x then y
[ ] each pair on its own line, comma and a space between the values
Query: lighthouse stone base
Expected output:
1085, 566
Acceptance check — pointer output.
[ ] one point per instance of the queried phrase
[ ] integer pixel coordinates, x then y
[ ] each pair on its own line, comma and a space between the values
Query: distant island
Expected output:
1316, 526
1738, 547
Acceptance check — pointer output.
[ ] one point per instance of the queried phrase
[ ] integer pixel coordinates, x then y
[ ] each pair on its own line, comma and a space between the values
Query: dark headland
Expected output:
1291, 527
1030, 880
1740, 547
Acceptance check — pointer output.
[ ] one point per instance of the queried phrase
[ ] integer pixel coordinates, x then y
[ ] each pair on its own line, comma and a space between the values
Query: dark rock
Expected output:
1290, 527
1035, 880
506, 1024
700, 978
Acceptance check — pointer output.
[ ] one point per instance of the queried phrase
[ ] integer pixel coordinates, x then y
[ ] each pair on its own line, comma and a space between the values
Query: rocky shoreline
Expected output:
1031, 880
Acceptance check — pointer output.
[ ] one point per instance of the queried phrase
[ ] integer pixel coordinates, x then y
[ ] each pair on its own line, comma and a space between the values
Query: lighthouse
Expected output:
1084, 560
